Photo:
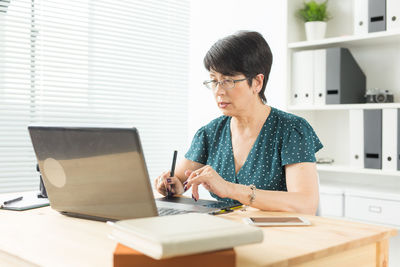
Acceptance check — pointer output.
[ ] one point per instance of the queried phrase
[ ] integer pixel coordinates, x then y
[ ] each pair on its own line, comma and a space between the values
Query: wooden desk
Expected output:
46, 238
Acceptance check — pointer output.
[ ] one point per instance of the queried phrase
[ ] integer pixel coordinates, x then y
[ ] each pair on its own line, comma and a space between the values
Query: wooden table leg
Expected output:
382, 253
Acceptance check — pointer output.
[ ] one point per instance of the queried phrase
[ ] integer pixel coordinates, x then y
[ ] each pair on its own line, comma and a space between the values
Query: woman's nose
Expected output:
219, 90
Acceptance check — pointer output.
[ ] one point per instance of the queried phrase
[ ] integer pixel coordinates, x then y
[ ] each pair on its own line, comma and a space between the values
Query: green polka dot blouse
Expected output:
284, 139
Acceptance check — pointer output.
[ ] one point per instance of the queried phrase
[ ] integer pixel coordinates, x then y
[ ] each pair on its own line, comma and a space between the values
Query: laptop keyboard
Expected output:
168, 211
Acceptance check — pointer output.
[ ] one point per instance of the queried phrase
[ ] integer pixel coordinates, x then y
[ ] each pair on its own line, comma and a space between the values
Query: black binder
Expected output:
373, 138
377, 15
345, 81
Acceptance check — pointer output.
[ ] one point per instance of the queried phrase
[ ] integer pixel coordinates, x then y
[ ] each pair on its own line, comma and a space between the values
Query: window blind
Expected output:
92, 63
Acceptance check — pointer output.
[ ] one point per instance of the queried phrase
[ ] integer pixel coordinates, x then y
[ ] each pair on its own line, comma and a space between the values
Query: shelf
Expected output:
376, 38
360, 188
349, 169
343, 107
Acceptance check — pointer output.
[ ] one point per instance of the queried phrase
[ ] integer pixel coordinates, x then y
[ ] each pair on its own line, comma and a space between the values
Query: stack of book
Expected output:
180, 235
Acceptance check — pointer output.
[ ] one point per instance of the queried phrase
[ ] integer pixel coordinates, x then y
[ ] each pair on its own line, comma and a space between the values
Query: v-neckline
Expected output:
252, 148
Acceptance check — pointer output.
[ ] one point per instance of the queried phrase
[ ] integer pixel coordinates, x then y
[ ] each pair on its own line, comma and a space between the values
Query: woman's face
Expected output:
234, 101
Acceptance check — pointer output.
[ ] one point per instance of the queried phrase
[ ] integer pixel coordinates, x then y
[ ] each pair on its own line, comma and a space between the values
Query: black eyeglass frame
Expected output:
209, 83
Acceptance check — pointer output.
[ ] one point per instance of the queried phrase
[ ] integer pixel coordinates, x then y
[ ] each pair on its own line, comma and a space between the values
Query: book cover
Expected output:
178, 235
127, 257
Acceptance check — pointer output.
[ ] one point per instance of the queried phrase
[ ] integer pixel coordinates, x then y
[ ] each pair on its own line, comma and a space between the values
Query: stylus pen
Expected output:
12, 200
173, 163
169, 194
221, 211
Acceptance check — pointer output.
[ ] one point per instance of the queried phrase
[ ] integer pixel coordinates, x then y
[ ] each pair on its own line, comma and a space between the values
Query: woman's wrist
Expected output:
235, 191
241, 193
230, 190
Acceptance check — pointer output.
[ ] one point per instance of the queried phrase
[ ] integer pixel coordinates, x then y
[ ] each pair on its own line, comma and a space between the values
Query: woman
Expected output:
254, 154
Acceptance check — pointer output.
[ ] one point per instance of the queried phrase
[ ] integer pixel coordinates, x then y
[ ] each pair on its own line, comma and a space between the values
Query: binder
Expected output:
303, 78
398, 139
319, 76
393, 14
389, 137
360, 16
296, 61
373, 139
345, 81
356, 126
377, 15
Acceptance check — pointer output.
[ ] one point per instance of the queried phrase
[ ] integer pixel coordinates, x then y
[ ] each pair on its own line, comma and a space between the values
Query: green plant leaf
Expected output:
313, 11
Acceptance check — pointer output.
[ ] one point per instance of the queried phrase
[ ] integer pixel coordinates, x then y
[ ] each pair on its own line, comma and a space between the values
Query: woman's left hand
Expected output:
211, 181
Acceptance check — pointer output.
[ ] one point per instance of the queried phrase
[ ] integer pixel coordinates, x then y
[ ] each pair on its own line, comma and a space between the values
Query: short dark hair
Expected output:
244, 52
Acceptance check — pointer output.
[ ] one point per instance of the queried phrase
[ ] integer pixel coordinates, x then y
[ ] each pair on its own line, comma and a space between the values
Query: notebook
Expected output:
101, 174
30, 200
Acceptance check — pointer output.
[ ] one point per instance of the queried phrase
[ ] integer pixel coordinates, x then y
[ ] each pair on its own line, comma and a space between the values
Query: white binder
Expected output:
389, 139
296, 65
356, 126
319, 76
392, 14
361, 16
303, 78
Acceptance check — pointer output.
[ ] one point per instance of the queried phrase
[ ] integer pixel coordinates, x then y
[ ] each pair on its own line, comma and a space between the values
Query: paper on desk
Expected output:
29, 201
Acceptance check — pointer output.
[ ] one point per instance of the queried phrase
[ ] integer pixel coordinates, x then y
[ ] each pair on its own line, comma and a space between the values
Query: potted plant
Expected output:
315, 16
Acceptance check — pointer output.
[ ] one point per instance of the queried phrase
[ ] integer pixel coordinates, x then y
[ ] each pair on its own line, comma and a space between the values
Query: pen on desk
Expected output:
221, 211
236, 207
169, 193
12, 200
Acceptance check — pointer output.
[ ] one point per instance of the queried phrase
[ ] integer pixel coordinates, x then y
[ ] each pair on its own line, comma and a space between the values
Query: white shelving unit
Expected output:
349, 169
349, 192
378, 55
376, 38
343, 107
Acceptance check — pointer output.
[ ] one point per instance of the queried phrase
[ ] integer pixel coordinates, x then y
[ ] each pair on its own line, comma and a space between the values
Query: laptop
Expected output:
101, 174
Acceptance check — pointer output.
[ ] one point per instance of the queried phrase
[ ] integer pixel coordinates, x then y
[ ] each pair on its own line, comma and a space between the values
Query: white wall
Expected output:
213, 20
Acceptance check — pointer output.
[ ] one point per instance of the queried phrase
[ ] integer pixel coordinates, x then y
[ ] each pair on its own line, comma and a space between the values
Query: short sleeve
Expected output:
198, 151
300, 144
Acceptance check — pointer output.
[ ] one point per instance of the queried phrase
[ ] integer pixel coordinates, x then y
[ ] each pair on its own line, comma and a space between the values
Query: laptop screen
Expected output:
94, 171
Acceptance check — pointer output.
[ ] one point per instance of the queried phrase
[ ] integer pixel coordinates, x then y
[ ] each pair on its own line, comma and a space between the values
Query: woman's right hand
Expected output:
164, 182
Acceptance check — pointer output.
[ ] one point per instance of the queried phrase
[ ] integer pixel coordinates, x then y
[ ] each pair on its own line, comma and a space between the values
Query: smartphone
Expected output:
277, 221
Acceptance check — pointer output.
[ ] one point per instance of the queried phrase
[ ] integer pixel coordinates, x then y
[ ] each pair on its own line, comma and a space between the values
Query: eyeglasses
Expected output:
226, 84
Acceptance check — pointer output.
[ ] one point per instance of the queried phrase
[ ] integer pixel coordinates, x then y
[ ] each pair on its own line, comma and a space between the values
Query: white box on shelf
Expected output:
356, 127
360, 17
392, 14
331, 201
303, 78
389, 139
372, 209
319, 76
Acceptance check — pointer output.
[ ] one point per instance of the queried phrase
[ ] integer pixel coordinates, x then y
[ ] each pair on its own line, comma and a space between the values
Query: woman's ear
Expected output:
258, 83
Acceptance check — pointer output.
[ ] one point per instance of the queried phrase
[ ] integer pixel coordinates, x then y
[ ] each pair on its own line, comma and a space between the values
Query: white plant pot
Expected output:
315, 30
